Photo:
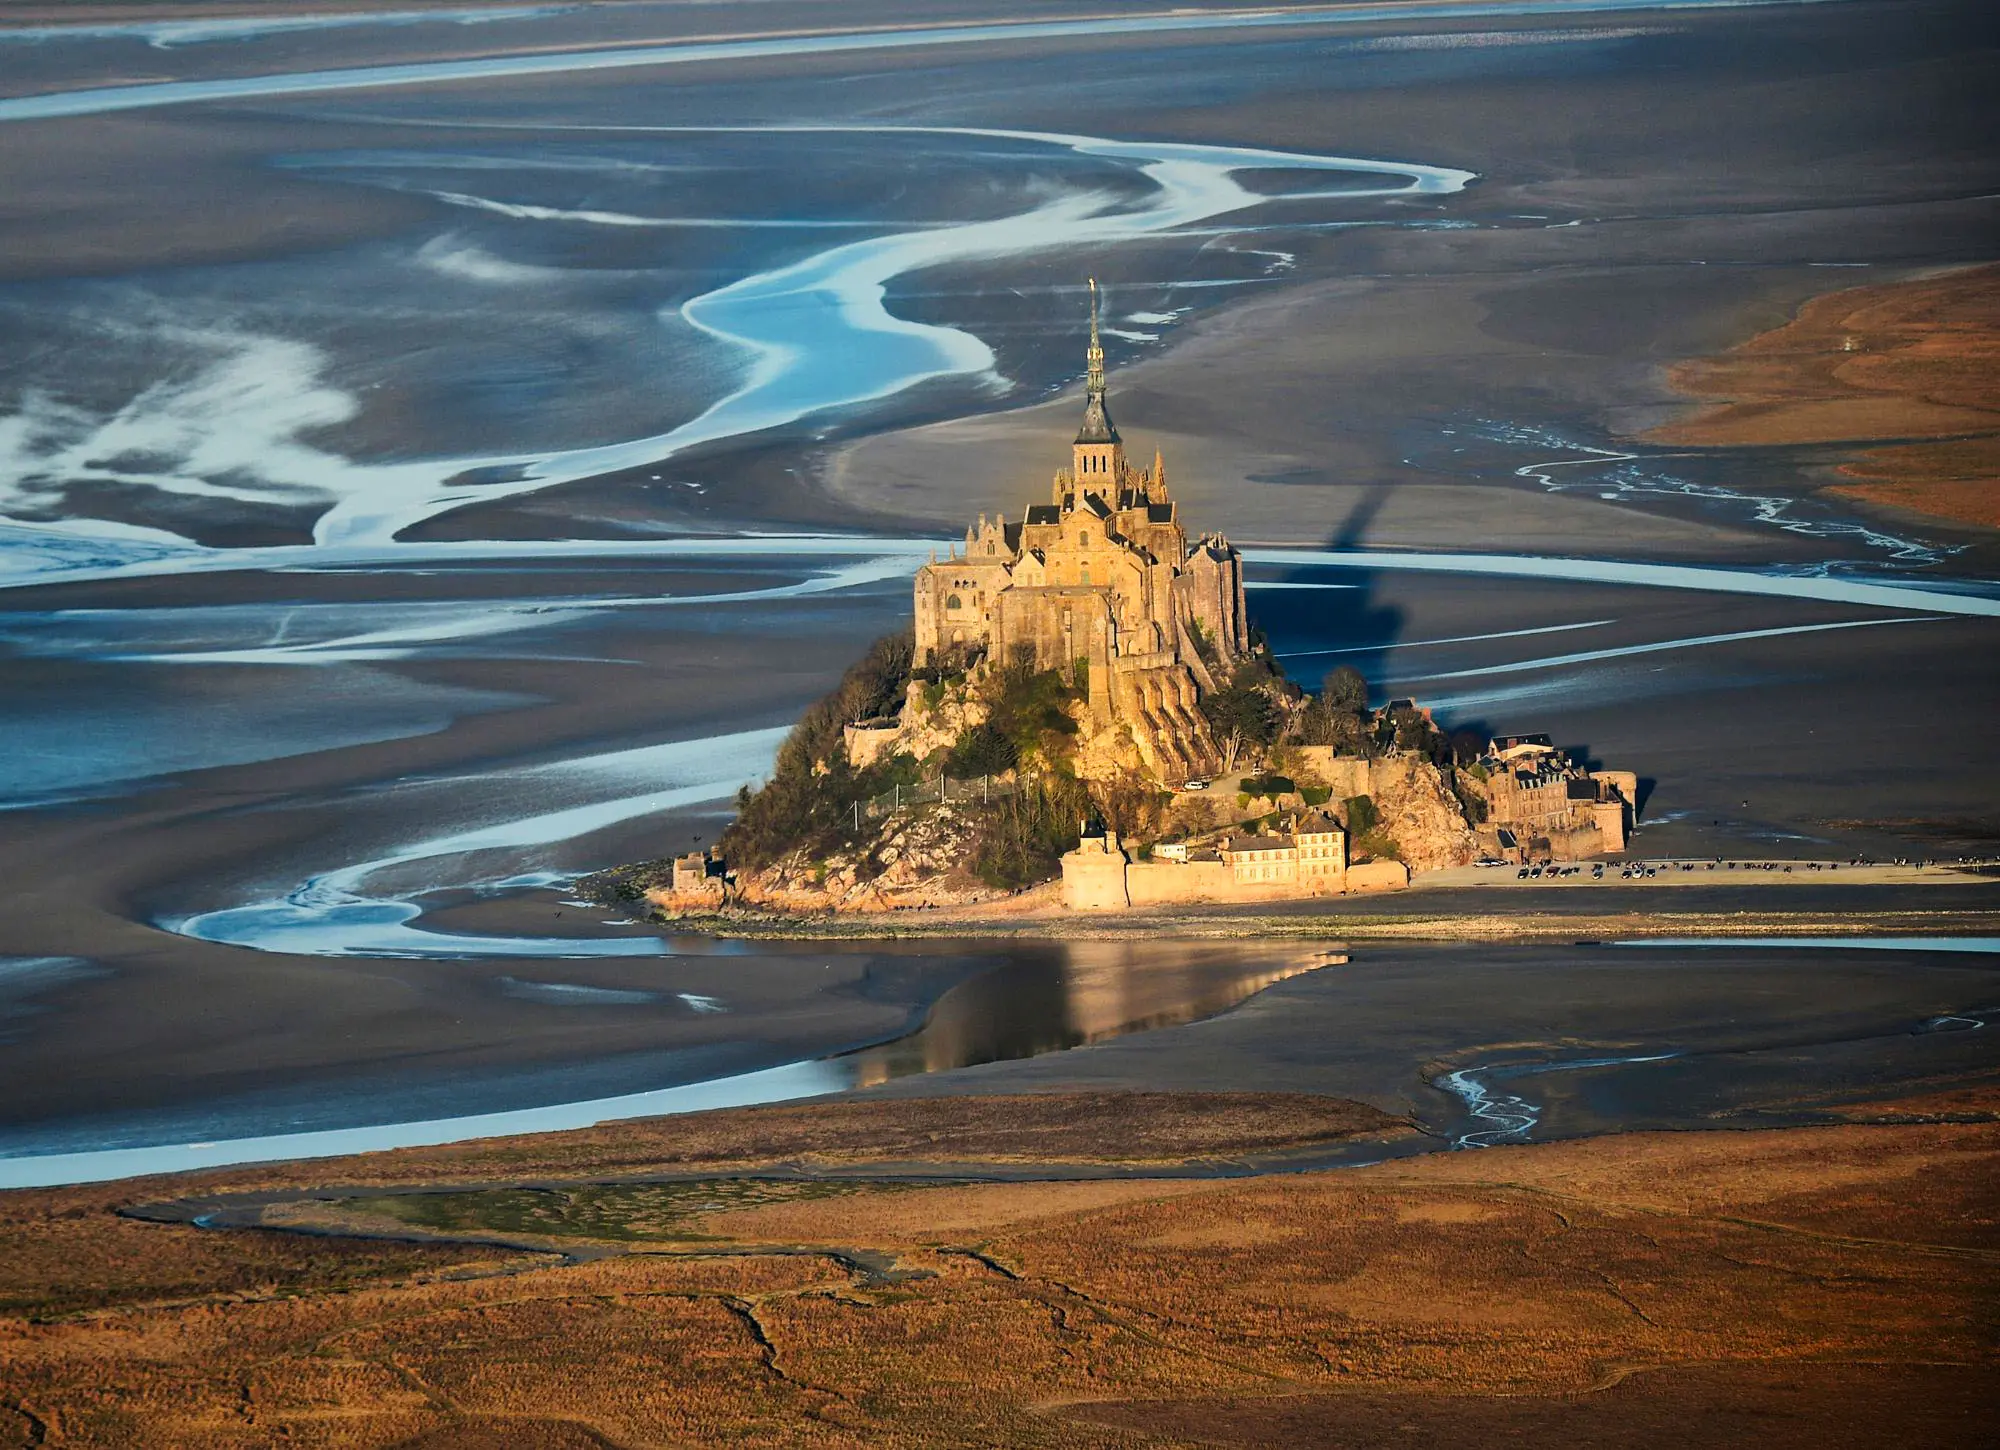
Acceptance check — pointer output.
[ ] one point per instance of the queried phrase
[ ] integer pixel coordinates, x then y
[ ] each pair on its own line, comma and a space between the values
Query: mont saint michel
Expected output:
897, 725
1074, 699
1100, 580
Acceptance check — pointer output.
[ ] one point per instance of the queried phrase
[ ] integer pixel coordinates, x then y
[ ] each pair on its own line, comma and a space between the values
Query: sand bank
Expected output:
1888, 365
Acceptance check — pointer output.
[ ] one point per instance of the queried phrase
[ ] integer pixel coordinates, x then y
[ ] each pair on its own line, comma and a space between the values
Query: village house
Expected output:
1542, 805
1309, 860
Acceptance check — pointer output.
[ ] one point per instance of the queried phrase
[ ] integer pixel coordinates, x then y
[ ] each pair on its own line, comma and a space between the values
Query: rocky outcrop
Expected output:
918, 859
1414, 805
922, 728
1416, 809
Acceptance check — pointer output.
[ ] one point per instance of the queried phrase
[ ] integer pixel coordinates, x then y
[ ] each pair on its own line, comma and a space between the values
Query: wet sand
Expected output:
1899, 364
1421, 385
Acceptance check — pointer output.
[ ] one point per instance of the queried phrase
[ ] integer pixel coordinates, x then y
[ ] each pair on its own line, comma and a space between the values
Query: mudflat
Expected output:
1914, 365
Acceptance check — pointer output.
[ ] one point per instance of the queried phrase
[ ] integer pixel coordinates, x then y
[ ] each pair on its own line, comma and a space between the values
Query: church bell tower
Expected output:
1098, 460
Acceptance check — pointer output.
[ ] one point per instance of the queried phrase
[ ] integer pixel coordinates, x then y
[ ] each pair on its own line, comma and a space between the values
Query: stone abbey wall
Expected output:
1101, 579
1100, 876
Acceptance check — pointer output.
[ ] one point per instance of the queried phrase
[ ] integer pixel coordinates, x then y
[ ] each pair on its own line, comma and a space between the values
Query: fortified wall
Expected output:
1100, 874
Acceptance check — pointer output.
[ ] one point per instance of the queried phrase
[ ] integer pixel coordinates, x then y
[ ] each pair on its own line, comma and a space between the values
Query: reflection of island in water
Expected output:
1075, 993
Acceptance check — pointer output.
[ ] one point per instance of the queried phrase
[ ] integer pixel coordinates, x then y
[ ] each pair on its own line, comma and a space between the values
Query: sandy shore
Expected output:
1866, 367
1443, 905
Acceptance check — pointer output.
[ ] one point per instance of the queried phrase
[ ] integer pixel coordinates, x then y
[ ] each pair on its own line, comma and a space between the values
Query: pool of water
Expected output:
1036, 999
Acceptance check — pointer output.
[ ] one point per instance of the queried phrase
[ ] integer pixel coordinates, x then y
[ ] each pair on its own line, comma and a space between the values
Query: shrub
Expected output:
1315, 795
1345, 691
1268, 785
1030, 709
982, 750
1240, 715
1025, 835
1379, 844
1203, 645
1361, 815
810, 797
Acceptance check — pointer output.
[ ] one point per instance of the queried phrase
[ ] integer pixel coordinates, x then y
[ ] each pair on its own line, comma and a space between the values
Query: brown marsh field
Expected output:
1825, 1286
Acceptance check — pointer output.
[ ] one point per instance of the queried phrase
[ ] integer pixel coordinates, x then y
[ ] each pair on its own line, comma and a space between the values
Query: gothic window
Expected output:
953, 603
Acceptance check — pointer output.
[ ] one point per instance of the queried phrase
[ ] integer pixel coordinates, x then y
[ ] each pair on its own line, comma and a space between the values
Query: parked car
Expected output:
1194, 785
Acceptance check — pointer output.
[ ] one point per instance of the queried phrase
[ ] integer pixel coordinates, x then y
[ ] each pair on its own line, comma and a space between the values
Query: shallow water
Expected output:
304, 765
1036, 1000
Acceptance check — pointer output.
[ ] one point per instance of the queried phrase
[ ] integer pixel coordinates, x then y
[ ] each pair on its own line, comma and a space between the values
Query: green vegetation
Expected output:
613, 1211
810, 798
1337, 715
1361, 815
1241, 713
1031, 709
1379, 844
1025, 834
1268, 785
1203, 645
1315, 795
981, 750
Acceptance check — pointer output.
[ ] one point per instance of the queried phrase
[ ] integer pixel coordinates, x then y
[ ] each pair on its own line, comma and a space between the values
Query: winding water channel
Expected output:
285, 739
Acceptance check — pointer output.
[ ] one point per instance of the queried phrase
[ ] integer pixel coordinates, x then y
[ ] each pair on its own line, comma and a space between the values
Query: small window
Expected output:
953, 603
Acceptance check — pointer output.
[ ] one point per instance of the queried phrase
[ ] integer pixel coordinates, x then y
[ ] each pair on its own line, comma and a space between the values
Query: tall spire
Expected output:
1097, 424
1095, 356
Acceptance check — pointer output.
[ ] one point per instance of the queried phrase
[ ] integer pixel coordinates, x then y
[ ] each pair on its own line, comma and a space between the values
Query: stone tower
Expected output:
1102, 584
1098, 458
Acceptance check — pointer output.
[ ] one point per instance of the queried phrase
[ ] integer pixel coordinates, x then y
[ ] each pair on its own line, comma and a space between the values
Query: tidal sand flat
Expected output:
338, 648
1910, 365
444, 449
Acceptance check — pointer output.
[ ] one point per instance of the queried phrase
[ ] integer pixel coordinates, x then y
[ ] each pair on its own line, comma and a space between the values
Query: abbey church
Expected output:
1103, 580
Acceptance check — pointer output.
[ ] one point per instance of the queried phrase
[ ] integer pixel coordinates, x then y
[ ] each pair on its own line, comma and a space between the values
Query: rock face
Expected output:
920, 858
1419, 813
1414, 806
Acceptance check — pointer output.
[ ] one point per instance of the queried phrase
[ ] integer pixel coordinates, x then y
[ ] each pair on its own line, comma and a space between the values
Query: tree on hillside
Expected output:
982, 750
809, 798
1345, 691
1239, 716
1337, 715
